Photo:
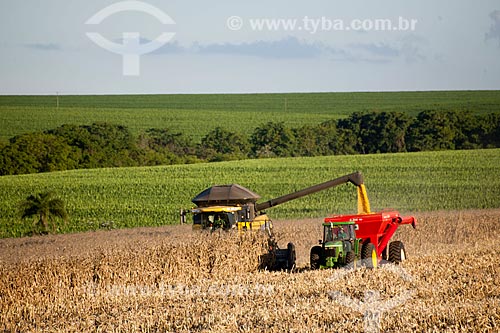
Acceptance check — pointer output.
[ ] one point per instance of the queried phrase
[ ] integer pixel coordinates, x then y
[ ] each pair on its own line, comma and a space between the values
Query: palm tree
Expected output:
45, 208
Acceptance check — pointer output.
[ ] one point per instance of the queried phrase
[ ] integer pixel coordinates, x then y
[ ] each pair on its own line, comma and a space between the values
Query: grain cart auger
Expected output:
235, 207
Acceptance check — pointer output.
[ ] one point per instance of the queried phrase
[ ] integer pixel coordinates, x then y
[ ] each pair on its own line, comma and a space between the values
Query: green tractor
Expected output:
339, 246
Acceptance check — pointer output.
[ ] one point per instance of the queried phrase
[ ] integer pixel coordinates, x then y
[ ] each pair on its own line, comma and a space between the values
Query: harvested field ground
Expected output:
169, 279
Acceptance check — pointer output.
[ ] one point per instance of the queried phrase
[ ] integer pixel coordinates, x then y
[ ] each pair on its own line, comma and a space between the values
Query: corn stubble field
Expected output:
170, 279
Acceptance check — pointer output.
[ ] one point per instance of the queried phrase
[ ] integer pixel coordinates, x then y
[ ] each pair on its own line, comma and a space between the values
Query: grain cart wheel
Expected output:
397, 252
315, 257
369, 255
385, 253
349, 258
290, 256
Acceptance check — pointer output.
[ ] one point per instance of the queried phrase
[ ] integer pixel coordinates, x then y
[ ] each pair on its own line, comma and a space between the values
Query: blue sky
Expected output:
455, 45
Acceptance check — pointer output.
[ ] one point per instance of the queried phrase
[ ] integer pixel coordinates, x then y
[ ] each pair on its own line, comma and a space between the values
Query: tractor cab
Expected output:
338, 232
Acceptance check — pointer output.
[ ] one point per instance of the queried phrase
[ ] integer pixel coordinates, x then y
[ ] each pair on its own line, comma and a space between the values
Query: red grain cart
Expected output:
375, 231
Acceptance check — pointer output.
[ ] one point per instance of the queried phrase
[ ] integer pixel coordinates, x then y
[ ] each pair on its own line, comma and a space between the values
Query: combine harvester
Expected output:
232, 206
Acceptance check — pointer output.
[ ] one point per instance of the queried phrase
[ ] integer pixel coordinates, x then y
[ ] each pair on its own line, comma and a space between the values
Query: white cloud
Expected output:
494, 32
43, 46
290, 47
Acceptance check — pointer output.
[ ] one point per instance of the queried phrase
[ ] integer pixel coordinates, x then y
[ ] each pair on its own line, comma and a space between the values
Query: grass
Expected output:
195, 123
152, 196
196, 115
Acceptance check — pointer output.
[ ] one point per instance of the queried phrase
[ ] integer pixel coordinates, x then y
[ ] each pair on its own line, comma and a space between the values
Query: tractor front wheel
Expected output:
349, 258
315, 257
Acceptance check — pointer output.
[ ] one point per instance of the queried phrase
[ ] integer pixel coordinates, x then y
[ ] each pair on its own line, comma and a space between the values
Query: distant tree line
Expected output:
105, 145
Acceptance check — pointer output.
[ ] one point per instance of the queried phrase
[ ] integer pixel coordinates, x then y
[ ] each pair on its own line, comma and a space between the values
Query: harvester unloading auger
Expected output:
235, 207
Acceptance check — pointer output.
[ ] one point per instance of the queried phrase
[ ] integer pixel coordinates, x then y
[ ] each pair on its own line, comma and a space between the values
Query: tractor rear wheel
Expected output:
315, 257
290, 256
369, 255
397, 252
349, 258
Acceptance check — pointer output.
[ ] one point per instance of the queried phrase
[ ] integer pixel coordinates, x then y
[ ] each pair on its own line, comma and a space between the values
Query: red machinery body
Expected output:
376, 228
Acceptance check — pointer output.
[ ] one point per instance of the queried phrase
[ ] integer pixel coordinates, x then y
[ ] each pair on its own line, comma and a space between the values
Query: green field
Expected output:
196, 115
126, 197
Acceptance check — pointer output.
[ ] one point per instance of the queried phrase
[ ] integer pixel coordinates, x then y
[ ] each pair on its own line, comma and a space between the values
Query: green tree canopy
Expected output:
273, 139
37, 152
433, 130
101, 144
221, 144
